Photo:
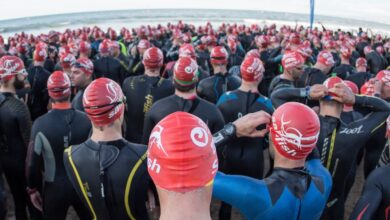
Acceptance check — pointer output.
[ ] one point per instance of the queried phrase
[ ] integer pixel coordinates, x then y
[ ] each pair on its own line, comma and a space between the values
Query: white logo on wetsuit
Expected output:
155, 138
357, 130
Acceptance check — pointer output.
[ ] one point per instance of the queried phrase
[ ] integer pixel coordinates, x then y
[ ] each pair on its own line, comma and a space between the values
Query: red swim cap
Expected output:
251, 69
84, 47
58, 85
84, 64
294, 131
326, 58
143, 44
253, 53
367, 89
187, 50
331, 82
361, 62
181, 153
185, 71
66, 60
384, 76
353, 88
11, 66
292, 59
153, 58
40, 54
219, 55
103, 101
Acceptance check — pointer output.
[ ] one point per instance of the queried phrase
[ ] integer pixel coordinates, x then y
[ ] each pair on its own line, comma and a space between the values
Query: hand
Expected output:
343, 94
318, 92
246, 125
36, 200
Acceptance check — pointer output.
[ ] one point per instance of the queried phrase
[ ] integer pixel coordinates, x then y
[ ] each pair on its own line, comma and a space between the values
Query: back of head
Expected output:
325, 58
294, 131
181, 153
185, 74
103, 101
11, 66
219, 56
58, 86
153, 58
252, 69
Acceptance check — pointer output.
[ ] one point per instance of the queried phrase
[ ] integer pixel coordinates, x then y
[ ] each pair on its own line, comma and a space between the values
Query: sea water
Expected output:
135, 18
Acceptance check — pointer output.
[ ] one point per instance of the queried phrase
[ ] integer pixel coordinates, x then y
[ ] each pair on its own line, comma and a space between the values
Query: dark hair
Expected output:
182, 88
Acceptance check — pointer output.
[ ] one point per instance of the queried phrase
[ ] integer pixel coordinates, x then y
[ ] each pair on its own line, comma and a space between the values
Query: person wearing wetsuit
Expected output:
136, 67
374, 202
184, 99
243, 156
15, 130
345, 69
81, 77
144, 90
292, 63
47, 143
337, 138
214, 86
38, 97
108, 66
299, 185
374, 146
108, 173
361, 75
318, 73
375, 61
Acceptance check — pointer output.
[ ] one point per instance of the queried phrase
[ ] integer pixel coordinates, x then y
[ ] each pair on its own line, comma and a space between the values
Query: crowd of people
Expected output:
116, 124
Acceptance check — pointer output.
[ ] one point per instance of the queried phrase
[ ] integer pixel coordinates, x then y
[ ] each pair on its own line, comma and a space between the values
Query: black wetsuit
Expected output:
312, 76
109, 67
360, 78
50, 135
278, 83
351, 116
339, 143
206, 111
214, 86
374, 202
141, 92
77, 102
111, 178
38, 98
375, 62
344, 70
15, 132
242, 156
385, 156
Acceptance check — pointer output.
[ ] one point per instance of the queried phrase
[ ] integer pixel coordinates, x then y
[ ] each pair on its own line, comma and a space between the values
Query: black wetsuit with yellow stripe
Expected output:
141, 92
339, 143
110, 177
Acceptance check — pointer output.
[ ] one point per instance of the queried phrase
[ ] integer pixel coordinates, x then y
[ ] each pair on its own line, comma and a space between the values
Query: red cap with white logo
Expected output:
181, 153
326, 58
292, 59
294, 131
251, 69
103, 101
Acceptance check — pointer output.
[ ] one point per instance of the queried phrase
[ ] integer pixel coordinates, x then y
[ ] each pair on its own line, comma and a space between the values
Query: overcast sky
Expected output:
372, 10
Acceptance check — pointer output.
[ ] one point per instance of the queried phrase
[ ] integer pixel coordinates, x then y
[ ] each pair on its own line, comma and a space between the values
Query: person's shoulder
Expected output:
140, 149
265, 101
227, 97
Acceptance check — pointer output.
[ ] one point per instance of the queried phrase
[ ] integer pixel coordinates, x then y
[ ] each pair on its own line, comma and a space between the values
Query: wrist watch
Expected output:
230, 129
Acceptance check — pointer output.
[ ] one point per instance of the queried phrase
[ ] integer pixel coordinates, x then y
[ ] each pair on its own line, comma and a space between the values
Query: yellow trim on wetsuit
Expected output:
210, 183
377, 127
69, 150
332, 140
128, 185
